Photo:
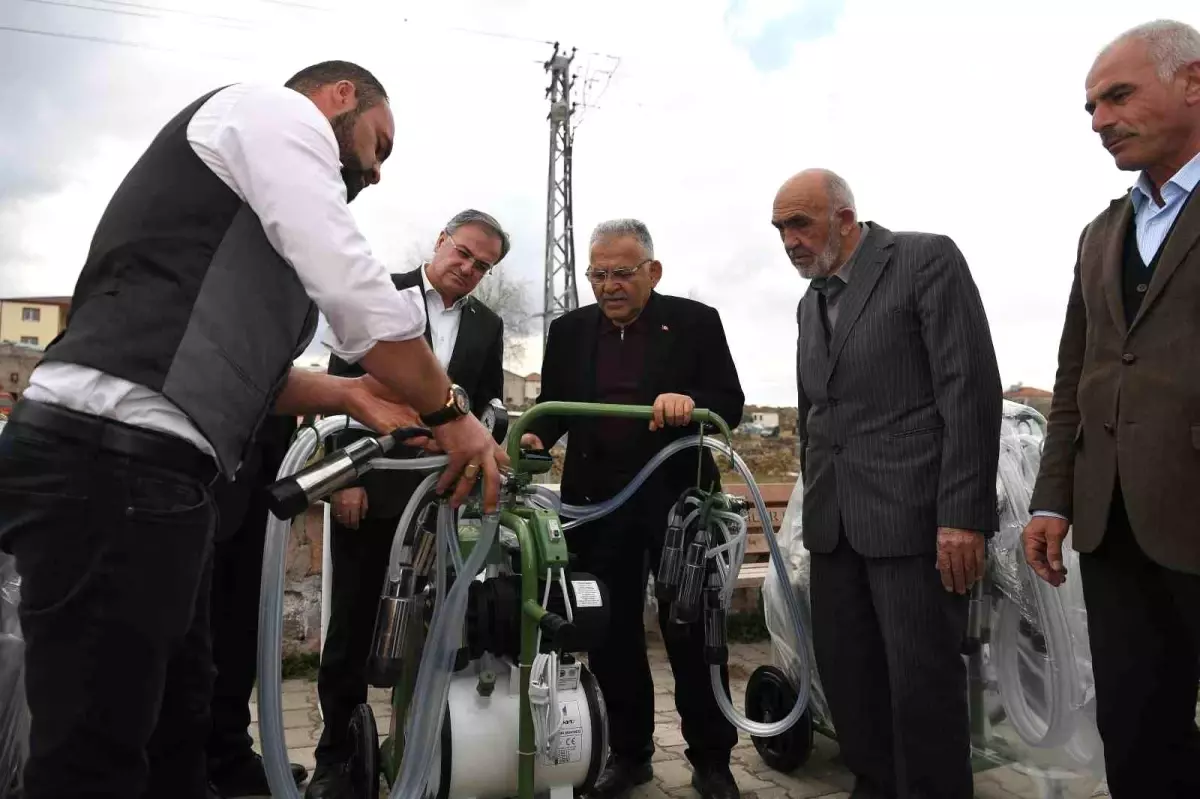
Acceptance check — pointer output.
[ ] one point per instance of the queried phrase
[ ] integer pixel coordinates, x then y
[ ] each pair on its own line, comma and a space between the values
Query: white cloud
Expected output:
943, 116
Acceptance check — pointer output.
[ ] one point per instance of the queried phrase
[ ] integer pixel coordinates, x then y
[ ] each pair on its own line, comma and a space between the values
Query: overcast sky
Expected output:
944, 117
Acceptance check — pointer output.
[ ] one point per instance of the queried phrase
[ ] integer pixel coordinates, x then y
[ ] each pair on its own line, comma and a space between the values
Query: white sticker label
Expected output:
570, 735
555, 529
568, 676
587, 594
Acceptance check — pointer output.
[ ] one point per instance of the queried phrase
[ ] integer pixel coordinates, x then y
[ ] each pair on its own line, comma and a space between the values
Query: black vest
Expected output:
1136, 274
183, 293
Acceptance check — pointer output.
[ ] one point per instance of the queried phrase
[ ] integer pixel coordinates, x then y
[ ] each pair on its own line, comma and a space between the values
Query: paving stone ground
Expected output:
822, 777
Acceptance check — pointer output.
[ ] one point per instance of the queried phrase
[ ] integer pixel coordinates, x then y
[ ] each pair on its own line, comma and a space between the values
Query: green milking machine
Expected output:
481, 616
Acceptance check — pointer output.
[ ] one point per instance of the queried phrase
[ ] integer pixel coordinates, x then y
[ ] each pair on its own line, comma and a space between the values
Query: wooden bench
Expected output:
757, 558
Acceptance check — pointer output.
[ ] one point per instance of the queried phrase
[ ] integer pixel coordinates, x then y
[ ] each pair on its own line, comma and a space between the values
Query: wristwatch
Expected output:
457, 406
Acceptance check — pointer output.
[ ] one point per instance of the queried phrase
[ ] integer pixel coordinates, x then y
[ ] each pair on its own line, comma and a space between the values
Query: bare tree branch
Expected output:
509, 297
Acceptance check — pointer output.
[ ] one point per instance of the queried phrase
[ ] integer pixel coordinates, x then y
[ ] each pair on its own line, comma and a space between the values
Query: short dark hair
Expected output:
367, 87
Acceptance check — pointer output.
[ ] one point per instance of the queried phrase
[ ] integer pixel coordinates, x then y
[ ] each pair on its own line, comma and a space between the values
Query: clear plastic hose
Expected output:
437, 660
270, 609
406, 519
581, 514
1043, 606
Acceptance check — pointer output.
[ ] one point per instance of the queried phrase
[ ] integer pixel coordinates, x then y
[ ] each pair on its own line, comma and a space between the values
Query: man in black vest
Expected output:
1122, 457
639, 347
202, 285
468, 339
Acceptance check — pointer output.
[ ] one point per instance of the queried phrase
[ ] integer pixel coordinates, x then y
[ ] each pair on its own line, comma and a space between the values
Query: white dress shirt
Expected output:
277, 152
443, 322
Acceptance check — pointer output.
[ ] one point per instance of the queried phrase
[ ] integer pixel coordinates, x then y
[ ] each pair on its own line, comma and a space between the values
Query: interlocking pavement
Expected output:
822, 777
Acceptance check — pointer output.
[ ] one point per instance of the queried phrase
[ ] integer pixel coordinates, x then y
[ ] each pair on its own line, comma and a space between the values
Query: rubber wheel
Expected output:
364, 754
770, 697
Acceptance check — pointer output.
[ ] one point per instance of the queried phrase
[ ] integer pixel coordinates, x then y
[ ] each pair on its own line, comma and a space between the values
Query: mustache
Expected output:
1110, 136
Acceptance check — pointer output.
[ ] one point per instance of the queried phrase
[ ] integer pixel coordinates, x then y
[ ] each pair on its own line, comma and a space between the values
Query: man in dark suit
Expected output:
234, 768
638, 347
468, 339
1121, 464
899, 410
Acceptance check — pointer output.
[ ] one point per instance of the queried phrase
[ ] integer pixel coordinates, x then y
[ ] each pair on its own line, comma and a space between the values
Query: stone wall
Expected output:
302, 585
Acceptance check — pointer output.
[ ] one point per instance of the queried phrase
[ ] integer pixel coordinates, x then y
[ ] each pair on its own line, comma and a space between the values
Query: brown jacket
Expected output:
1127, 398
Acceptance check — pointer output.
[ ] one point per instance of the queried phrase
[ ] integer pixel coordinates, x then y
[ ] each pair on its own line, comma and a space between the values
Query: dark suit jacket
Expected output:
687, 354
900, 417
476, 364
1127, 398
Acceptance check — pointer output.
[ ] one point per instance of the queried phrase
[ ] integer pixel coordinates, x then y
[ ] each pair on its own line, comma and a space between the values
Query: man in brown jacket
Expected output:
1122, 458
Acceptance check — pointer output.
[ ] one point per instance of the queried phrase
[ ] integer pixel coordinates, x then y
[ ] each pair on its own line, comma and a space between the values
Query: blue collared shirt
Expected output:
1153, 221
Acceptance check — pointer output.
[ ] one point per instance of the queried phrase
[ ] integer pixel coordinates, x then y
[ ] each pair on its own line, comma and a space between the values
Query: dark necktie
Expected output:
827, 289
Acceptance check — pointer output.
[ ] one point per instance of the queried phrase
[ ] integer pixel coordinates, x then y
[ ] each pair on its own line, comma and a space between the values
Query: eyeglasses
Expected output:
619, 274
479, 265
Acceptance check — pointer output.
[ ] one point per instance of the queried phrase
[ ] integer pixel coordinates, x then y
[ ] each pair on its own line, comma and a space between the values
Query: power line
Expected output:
244, 24
170, 10
105, 40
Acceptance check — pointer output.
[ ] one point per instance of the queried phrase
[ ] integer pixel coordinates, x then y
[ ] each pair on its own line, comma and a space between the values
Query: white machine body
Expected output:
483, 736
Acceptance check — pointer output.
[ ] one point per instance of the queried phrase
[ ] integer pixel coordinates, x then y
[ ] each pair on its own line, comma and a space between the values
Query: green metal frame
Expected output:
542, 547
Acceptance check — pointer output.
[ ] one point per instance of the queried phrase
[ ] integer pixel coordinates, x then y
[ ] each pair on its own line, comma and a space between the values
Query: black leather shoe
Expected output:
865, 789
329, 782
620, 777
715, 782
246, 777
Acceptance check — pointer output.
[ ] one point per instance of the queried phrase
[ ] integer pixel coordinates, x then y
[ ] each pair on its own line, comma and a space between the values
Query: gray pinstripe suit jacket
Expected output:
900, 415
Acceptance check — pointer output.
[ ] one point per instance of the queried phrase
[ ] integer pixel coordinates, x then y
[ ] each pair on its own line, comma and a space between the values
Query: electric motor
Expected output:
494, 615
476, 755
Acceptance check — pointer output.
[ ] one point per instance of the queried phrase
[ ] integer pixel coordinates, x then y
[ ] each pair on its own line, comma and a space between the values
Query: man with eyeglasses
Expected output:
639, 347
468, 339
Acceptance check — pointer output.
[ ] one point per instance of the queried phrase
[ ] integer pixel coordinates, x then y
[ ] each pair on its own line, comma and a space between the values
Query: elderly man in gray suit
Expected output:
899, 417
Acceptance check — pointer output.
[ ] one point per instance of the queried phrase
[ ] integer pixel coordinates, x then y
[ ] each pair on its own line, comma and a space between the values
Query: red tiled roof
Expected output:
1028, 392
39, 300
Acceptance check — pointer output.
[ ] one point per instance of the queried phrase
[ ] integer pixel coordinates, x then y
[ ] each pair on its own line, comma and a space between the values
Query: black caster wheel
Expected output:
364, 754
770, 697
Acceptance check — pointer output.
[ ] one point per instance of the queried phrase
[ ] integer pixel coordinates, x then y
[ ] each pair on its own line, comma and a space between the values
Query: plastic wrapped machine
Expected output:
1031, 691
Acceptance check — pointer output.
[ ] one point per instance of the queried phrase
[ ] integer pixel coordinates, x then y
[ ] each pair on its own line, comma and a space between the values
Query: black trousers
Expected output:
115, 561
236, 585
359, 566
617, 550
1144, 630
888, 640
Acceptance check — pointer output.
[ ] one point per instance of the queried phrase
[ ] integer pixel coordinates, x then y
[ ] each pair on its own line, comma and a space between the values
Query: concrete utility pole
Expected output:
560, 295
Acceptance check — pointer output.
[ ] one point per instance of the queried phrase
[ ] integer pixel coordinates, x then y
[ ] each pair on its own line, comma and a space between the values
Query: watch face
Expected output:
461, 401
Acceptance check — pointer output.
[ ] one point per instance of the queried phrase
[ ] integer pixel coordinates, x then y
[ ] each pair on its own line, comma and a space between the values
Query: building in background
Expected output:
32, 321
533, 387
16, 364
1035, 398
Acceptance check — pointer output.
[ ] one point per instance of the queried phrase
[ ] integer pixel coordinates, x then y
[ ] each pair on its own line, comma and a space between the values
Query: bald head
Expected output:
816, 219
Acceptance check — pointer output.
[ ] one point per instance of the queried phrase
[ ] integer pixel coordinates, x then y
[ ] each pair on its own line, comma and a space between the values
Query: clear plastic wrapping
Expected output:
14, 715
1033, 701
786, 639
